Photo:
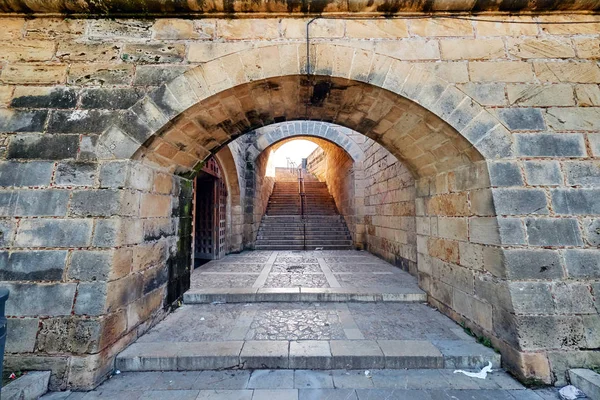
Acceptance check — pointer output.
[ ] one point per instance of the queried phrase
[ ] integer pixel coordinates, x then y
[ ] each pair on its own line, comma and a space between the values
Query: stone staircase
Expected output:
284, 227
355, 316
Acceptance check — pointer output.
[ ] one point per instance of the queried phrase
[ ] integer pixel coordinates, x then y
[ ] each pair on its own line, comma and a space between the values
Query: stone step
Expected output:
298, 247
305, 354
304, 294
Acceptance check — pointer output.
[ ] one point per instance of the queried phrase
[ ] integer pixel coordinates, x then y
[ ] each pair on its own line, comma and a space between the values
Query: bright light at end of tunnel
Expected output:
293, 151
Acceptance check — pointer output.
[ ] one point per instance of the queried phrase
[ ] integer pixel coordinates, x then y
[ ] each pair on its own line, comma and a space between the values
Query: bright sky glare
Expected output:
296, 150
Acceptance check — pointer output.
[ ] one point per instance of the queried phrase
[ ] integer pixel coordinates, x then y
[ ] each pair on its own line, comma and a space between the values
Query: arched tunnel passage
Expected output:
446, 156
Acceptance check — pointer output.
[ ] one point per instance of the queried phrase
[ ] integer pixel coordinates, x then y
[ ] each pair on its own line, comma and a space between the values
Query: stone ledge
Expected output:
30, 386
587, 381
150, 8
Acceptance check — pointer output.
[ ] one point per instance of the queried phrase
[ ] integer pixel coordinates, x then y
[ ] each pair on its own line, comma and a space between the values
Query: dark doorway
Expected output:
210, 213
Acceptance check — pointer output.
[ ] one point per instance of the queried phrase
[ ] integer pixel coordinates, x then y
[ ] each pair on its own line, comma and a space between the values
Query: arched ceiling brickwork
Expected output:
273, 135
424, 121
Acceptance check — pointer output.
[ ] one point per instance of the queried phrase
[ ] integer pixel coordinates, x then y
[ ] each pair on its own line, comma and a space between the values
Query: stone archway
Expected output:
273, 134
443, 136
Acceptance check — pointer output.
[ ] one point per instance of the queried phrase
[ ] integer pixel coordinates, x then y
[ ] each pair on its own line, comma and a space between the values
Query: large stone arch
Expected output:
274, 134
443, 136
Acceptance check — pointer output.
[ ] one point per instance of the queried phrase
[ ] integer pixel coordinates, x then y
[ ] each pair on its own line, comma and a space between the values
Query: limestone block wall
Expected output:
389, 207
94, 254
498, 121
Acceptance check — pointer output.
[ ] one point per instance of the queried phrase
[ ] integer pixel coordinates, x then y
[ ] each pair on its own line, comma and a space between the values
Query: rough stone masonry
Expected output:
104, 120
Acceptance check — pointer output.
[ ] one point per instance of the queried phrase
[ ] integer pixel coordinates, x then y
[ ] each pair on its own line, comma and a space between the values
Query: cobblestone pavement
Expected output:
309, 385
348, 269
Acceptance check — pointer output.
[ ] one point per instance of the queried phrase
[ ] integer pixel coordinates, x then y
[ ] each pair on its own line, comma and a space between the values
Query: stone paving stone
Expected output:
425, 379
222, 380
308, 379
271, 379
225, 395
410, 354
199, 280
131, 381
265, 354
279, 394
170, 395
451, 394
310, 354
461, 381
343, 379
230, 267
392, 394
327, 394
175, 381
195, 324
389, 378
358, 354
395, 321
466, 354
296, 322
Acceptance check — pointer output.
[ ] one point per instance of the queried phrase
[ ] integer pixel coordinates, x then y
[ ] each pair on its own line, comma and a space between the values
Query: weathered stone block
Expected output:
555, 332
7, 232
541, 95
114, 98
120, 28
43, 147
573, 118
500, 71
553, 232
90, 265
43, 97
118, 143
113, 174
32, 265
543, 173
100, 74
43, 203
154, 205
75, 174
153, 53
88, 52
104, 203
583, 264
522, 119
576, 201
54, 28
512, 231
31, 299
591, 327
156, 75
588, 95
80, 121
484, 230
540, 48
550, 145
472, 49
32, 173
487, 94
591, 230
21, 334
29, 74
68, 334
505, 174
22, 121
582, 173
91, 298
572, 298
520, 201
54, 233
174, 29
533, 264
123, 291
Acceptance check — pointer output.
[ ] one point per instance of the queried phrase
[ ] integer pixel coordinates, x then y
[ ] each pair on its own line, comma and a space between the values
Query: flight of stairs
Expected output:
284, 228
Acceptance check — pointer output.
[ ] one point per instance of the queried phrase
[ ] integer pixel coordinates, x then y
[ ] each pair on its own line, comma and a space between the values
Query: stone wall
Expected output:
499, 123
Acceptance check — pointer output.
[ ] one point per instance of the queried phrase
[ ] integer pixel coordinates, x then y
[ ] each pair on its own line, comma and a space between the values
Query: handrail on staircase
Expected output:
302, 194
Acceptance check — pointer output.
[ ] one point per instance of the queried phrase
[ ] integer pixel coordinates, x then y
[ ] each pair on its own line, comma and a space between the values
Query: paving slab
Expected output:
272, 379
265, 354
309, 379
362, 276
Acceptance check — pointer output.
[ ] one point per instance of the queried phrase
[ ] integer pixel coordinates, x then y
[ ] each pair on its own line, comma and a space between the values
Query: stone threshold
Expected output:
302, 294
305, 354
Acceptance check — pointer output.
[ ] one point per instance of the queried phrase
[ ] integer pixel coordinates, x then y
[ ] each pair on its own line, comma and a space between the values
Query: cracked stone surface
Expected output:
297, 268
296, 260
402, 321
230, 267
286, 280
222, 280
296, 324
